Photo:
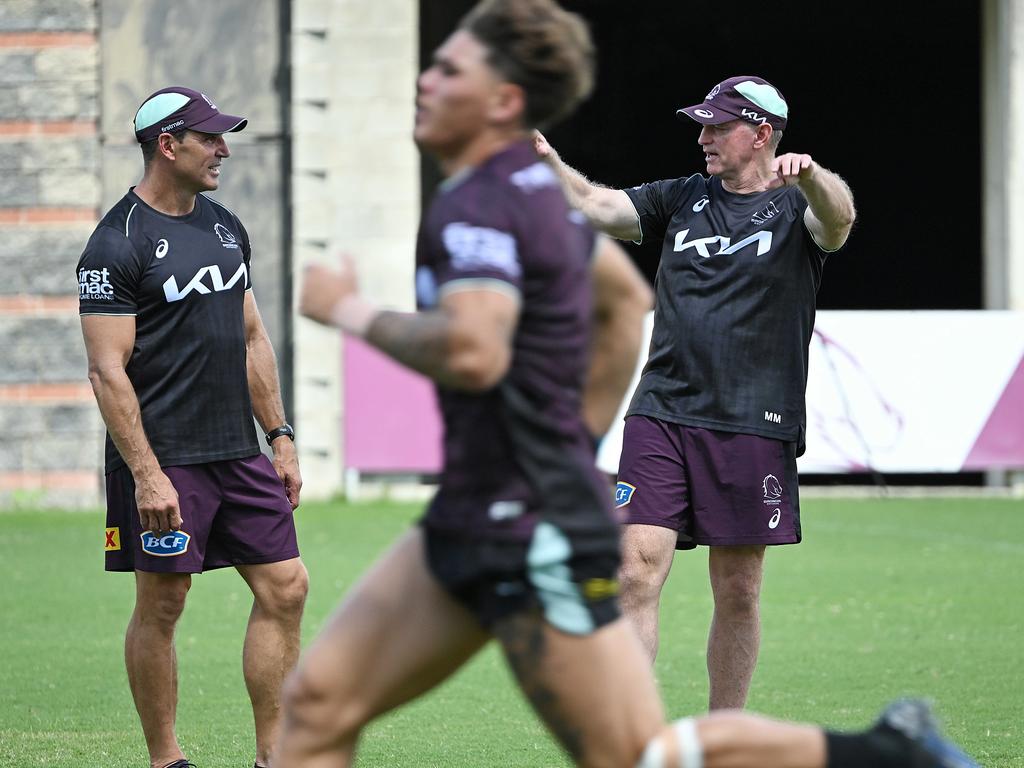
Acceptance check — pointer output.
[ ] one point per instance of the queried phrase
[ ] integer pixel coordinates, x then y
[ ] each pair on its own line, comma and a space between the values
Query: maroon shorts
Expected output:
233, 513
711, 487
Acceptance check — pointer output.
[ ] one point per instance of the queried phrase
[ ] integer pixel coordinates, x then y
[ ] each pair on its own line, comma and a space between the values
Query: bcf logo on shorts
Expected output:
170, 544
623, 494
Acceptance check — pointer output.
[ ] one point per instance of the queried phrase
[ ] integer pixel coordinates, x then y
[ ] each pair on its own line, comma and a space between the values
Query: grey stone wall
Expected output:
48, 15
40, 260
73, 437
46, 81
42, 350
229, 50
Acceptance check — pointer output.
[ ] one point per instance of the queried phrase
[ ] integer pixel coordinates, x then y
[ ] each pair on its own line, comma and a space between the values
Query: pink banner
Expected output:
391, 418
1001, 442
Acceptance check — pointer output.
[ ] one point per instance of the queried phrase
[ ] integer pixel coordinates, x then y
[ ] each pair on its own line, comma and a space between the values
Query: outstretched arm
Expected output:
466, 343
830, 213
621, 299
609, 210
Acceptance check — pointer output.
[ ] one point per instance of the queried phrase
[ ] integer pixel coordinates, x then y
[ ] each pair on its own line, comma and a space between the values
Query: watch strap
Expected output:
282, 431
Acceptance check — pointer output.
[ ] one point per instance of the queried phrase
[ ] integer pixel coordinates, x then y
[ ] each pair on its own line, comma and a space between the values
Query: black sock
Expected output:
881, 747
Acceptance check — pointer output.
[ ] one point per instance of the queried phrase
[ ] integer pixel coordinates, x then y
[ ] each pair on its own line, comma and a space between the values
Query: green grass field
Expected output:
884, 598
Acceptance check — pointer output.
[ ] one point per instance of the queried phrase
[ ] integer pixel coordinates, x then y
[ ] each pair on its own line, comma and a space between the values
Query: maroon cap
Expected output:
745, 97
173, 109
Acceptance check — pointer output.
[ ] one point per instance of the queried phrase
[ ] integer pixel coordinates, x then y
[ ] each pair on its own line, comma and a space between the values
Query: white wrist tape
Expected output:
691, 754
353, 315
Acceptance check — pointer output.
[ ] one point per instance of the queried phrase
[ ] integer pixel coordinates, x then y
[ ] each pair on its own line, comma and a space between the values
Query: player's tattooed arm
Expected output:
419, 341
465, 344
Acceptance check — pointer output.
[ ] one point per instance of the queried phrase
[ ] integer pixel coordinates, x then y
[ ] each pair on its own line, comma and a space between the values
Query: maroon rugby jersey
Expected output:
518, 453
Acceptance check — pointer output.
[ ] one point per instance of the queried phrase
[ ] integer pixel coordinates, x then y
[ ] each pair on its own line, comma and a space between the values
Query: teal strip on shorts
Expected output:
548, 570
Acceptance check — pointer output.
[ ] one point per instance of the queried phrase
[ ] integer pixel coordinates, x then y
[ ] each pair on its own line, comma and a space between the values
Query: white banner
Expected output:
901, 391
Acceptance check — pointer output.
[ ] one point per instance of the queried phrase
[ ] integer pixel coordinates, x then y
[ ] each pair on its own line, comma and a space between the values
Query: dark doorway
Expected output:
891, 101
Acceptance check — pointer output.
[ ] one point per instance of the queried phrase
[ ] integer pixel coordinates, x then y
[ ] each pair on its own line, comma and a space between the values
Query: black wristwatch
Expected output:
284, 431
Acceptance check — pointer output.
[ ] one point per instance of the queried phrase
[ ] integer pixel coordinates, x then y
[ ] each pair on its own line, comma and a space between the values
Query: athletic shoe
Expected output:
180, 764
913, 719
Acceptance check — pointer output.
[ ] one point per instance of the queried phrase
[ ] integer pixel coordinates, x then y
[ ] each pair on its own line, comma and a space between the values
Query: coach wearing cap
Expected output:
717, 420
180, 363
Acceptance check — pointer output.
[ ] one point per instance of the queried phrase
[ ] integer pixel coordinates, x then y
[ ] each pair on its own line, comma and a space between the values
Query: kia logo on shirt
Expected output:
173, 293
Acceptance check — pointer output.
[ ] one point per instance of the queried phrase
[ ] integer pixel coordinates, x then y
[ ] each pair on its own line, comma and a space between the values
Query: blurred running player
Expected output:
518, 305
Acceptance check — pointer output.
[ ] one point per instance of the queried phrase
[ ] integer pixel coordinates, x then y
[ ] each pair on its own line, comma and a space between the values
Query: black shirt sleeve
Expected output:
108, 275
655, 203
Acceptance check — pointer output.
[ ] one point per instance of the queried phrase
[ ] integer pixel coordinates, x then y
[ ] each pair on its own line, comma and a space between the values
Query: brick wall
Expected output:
49, 203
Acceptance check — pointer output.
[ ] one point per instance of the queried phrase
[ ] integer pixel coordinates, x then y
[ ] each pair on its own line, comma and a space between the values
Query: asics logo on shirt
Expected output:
162, 247
216, 283
701, 244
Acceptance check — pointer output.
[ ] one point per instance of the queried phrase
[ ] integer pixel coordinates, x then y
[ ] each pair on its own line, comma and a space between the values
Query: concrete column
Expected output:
355, 189
1003, 114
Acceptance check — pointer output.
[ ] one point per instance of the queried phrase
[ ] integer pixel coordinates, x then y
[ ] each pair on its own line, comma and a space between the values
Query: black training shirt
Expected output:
736, 291
184, 279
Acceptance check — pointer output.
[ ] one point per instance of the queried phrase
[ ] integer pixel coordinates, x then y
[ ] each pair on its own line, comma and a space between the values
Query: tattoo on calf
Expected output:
522, 639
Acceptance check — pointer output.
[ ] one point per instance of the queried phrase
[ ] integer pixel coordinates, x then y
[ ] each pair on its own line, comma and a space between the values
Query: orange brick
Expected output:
46, 39
48, 215
67, 392
38, 305
21, 128
73, 480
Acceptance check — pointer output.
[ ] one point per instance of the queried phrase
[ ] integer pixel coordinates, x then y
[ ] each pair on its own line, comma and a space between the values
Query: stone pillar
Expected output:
355, 187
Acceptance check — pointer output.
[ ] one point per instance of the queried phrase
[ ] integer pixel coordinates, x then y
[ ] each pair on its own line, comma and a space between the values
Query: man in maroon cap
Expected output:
180, 363
717, 420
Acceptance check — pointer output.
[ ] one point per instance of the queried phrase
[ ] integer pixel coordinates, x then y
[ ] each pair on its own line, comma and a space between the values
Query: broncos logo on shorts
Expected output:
772, 487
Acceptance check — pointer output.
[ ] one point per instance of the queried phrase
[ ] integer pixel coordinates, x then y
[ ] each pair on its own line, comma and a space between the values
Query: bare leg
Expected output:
271, 643
397, 635
151, 661
647, 552
595, 692
736, 626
